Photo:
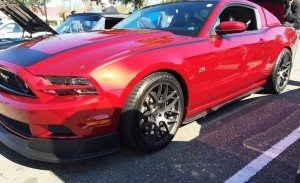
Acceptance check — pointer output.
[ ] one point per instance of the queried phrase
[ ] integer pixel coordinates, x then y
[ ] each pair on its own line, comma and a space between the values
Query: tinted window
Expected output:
78, 24
184, 18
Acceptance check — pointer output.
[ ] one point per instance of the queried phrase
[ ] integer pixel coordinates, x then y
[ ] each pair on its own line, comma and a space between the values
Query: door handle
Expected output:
262, 41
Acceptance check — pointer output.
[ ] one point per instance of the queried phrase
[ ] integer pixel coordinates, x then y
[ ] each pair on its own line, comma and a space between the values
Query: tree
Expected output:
67, 6
35, 5
64, 11
142, 3
137, 3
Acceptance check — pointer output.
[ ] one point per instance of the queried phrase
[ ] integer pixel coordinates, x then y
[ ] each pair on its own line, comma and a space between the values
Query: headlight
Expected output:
70, 86
58, 80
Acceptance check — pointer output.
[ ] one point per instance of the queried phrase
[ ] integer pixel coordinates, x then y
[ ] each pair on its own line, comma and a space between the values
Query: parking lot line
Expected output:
261, 161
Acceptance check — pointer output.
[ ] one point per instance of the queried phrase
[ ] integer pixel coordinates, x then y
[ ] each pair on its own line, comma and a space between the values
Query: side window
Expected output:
241, 14
9, 28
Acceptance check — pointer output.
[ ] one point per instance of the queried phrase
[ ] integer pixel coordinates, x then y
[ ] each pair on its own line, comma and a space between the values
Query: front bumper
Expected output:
55, 128
38, 116
61, 151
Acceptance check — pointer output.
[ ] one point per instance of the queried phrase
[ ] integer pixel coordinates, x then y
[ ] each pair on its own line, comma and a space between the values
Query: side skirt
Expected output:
204, 113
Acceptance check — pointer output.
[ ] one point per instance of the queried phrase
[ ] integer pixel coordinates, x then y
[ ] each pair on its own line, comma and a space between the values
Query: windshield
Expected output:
183, 18
78, 23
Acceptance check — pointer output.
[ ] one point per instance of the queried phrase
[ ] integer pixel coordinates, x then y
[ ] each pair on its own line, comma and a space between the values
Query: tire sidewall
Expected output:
144, 87
278, 63
271, 85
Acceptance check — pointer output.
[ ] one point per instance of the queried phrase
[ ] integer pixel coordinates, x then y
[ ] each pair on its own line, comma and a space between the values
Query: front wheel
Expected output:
281, 72
152, 113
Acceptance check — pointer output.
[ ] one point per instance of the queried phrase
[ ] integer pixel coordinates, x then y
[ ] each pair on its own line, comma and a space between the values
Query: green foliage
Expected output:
137, 3
34, 2
52, 23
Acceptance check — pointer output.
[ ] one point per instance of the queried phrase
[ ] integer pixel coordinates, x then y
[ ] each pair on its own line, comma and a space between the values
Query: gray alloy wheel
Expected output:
153, 112
281, 72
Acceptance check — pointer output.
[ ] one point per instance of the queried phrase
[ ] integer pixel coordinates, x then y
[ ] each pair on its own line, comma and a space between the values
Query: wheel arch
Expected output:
179, 75
184, 88
293, 53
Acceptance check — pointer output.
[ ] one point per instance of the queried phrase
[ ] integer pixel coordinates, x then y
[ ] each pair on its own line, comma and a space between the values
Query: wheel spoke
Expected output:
173, 103
285, 60
146, 113
146, 124
172, 112
278, 80
165, 94
283, 72
170, 96
160, 112
288, 64
286, 70
158, 95
154, 96
167, 128
147, 105
170, 121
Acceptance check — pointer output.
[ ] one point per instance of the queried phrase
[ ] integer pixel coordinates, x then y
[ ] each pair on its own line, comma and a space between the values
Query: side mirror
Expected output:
229, 27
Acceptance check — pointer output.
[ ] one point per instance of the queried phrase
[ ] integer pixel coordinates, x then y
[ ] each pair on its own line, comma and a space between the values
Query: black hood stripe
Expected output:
101, 41
23, 56
27, 57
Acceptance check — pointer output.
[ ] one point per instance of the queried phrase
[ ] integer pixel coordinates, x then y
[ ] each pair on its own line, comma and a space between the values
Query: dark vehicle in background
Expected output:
83, 22
36, 28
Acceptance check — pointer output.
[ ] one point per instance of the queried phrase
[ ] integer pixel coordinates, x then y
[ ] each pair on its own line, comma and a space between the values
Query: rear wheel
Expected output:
152, 113
280, 75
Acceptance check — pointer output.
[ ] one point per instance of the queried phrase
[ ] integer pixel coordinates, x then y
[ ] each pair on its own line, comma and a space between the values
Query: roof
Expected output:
106, 15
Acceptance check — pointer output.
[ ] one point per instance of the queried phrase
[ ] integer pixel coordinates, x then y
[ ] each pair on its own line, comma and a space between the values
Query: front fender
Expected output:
121, 77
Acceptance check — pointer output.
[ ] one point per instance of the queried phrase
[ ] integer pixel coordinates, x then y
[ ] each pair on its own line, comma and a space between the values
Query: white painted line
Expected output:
256, 165
188, 132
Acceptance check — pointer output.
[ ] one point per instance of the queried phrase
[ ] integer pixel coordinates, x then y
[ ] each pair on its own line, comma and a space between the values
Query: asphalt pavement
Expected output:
254, 140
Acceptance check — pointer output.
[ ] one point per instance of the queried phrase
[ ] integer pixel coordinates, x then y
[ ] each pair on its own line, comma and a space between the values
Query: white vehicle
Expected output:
11, 30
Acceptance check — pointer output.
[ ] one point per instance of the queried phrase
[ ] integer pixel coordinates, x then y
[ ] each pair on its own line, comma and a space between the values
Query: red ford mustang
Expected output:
72, 97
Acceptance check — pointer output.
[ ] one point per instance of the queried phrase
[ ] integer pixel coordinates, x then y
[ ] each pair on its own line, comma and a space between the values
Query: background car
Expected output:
12, 33
11, 30
83, 22
77, 96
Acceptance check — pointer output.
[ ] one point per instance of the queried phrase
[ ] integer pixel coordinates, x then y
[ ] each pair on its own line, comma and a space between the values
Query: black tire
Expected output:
152, 113
281, 72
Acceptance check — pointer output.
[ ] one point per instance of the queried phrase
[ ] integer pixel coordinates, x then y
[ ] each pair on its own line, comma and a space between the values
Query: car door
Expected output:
239, 55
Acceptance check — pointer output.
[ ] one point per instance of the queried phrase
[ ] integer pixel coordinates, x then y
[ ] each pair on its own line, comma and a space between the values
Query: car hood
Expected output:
68, 53
24, 17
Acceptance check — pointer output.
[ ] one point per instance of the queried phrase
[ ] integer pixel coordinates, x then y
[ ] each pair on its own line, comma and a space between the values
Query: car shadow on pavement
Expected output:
294, 83
228, 141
